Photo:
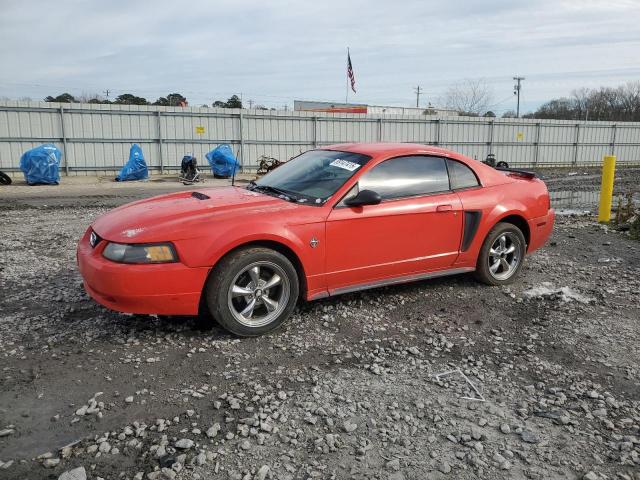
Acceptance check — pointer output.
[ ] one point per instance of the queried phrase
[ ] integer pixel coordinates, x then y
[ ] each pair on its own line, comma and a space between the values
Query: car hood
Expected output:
178, 215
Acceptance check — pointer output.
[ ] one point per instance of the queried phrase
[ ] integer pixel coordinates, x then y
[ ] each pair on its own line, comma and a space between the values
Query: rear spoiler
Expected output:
522, 173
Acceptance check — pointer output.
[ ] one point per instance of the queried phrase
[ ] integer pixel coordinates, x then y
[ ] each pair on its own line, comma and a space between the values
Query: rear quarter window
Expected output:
461, 176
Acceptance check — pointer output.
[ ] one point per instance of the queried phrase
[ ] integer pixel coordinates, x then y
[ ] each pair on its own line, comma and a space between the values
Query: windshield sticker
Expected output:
344, 164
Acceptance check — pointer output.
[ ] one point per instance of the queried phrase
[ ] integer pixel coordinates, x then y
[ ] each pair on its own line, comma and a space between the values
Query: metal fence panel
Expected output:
97, 138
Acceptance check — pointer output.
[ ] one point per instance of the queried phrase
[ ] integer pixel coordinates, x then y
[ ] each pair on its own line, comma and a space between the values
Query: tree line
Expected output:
171, 100
469, 97
618, 104
621, 104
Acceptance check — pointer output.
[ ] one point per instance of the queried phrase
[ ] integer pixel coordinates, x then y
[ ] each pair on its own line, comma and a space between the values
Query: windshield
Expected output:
311, 177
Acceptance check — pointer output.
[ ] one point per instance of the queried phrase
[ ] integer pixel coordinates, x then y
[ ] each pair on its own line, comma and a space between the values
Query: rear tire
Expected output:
502, 255
502, 164
252, 291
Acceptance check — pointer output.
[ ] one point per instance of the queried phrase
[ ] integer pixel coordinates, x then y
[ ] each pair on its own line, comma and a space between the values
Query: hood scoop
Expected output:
200, 196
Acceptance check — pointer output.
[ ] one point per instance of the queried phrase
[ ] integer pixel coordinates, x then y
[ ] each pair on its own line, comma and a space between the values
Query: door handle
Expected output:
444, 208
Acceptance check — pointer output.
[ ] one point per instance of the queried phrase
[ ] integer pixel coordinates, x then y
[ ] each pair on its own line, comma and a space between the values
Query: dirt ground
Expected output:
346, 390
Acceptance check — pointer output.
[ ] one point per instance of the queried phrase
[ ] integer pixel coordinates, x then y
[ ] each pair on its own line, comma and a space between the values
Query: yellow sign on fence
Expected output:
520, 136
200, 130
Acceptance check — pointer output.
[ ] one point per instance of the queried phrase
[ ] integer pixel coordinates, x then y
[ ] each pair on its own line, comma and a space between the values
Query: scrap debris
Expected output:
479, 398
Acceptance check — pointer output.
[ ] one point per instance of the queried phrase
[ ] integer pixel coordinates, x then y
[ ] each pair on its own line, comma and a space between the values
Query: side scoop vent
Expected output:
200, 196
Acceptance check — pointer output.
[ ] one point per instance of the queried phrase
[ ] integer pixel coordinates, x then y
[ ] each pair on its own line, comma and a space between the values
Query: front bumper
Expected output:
541, 229
165, 289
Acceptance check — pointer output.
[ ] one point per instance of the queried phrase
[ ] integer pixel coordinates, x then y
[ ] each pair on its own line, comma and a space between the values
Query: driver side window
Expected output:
408, 176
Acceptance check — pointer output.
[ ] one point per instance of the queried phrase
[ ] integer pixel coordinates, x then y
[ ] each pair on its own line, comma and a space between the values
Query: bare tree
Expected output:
470, 96
605, 103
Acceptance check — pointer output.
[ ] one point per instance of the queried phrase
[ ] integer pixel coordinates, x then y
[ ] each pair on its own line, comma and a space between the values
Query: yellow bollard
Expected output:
606, 189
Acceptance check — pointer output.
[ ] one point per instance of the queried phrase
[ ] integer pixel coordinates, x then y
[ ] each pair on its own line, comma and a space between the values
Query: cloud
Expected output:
276, 51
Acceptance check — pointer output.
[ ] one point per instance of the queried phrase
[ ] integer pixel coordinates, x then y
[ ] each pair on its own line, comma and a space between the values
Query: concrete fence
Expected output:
95, 139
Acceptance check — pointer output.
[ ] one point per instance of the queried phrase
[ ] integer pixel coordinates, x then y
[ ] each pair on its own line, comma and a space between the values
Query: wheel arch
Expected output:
275, 245
520, 222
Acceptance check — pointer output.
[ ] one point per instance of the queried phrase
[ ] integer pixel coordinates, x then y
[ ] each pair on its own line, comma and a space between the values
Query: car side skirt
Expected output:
396, 280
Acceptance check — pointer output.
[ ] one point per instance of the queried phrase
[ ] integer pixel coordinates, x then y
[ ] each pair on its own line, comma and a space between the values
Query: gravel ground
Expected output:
588, 179
346, 390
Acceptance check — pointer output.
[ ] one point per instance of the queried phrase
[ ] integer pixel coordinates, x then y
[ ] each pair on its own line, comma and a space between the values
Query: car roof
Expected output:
388, 149
488, 175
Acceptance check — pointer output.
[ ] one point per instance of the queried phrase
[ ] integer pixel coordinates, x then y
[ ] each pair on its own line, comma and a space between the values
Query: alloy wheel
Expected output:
258, 294
504, 256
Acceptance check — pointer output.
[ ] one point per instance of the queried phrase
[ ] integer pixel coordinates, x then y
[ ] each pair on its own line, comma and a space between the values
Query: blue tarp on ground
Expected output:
135, 168
41, 165
222, 161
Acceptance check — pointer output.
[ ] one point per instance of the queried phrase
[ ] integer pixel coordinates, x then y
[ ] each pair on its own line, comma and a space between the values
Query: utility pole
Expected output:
417, 90
516, 91
250, 104
106, 92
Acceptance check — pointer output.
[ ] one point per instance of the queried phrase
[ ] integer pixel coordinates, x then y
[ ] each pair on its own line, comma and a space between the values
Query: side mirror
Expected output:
364, 197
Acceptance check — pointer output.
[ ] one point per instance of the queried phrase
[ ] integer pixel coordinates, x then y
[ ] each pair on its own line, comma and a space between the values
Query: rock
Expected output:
166, 461
349, 427
168, 474
504, 428
213, 430
76, 474
393, 464
160, 453
184, 444
529, 437
590, 476
51, 462
6, 432
498, 458
444, 467
104, 447
245, 445
262, 472
129, 399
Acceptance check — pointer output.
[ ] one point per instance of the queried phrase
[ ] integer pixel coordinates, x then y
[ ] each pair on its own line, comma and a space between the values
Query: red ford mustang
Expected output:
333, 220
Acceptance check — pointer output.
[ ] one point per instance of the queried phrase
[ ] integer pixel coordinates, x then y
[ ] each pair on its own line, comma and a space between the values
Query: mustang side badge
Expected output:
314, 242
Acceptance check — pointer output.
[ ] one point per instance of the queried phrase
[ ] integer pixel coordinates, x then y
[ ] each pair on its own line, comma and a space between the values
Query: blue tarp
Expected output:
222, 161
135, 168
41, 165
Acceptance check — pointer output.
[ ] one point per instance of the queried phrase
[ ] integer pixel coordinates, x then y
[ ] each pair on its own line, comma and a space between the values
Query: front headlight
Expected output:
147, 253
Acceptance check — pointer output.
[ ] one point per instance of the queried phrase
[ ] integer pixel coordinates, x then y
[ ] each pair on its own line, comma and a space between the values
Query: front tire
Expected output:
502, 255
252, 291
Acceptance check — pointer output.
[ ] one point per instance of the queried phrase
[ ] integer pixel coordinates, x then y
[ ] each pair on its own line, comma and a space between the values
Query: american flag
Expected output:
350, 74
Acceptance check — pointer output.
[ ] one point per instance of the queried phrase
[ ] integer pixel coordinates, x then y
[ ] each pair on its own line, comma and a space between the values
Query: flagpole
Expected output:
346, 96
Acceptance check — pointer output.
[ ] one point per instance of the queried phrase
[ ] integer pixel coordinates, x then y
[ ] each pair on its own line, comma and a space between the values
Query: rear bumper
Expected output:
541, 229
166, 289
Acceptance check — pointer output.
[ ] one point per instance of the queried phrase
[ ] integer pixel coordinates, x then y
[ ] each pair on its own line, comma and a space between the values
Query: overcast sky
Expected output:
276, 51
